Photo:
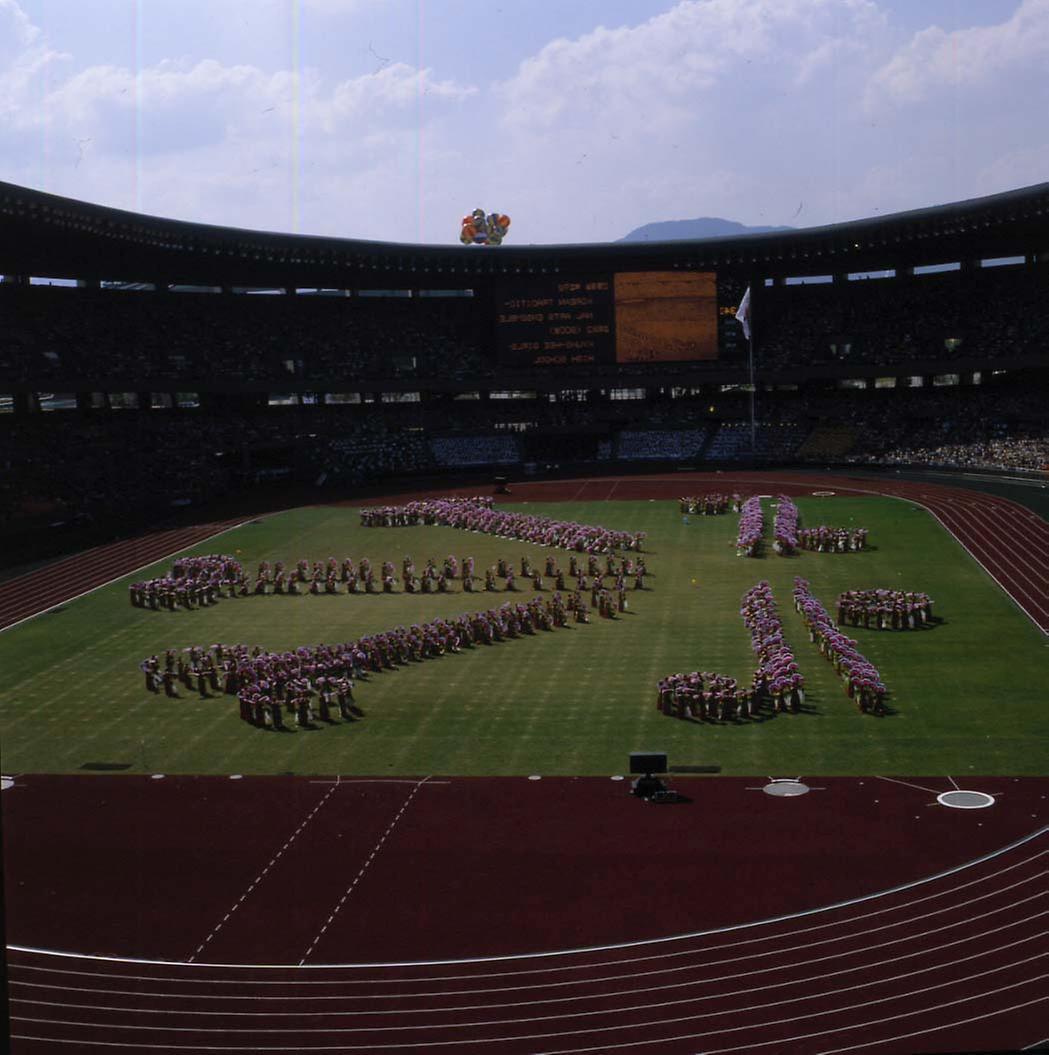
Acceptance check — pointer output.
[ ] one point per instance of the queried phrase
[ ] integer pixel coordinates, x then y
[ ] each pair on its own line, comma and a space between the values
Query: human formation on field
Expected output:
314, 682
777, 681
308, 682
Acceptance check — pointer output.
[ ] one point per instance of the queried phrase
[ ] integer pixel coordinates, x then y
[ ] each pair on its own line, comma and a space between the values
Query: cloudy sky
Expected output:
581, 119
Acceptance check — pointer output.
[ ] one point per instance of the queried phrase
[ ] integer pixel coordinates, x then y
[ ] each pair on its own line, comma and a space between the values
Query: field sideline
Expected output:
574, 701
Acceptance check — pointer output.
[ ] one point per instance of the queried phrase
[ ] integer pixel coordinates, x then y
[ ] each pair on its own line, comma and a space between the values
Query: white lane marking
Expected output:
364, 868
932, 791
604, 996
811, 1017
255, 882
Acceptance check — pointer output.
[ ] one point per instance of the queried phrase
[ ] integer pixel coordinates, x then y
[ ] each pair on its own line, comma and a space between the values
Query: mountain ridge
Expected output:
701, 227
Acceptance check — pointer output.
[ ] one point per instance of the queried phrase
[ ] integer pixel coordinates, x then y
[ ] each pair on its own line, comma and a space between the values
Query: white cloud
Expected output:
219, 143
675, 57
714, 107
934, 59
24, 58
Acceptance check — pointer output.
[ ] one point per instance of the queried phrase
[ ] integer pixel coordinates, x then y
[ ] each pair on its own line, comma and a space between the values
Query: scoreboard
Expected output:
625, 317
554, 321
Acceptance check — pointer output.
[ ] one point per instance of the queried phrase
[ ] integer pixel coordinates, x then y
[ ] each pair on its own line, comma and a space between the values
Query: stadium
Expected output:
803, 563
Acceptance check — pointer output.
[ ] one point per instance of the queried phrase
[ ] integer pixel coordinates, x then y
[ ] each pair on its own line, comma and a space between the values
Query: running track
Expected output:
914, 949
1010, 542
953, 959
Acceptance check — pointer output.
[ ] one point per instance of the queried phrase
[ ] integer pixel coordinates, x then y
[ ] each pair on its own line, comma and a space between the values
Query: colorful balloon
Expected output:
479, 229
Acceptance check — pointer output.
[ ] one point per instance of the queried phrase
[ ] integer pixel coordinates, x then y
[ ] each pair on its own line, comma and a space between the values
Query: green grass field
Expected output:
968, 694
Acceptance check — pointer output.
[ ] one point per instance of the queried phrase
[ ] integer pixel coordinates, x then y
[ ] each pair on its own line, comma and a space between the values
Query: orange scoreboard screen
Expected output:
627, 317
665, 316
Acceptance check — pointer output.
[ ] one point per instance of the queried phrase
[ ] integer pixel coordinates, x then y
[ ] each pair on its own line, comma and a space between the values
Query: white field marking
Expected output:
364, 868
613, 491
255, 882
811, 1017
931, 791
513, 974
379, 780
1036, 1044
133, 571
954, 782
621, 1009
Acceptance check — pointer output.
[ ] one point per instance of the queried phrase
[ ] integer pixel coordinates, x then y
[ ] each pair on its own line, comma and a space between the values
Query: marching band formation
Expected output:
470, 514
276, 689
885, 609
712, 504
825, 539
751, 528
785, 527
717, 697
311, 683
860, 677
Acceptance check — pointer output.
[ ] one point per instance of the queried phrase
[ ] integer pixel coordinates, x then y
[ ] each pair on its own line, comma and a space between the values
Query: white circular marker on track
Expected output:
535, 776
6, 782
786, 789
157, 776
965, 800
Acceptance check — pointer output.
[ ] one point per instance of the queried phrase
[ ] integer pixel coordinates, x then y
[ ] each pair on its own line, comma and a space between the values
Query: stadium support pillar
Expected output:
16, 280
83, 402
26, 403
145, 400
88, 283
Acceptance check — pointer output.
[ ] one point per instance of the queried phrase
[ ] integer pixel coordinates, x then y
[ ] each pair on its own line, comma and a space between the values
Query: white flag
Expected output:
743, 313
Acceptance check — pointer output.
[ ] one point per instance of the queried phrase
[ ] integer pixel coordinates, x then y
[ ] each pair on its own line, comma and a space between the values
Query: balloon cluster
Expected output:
478, 229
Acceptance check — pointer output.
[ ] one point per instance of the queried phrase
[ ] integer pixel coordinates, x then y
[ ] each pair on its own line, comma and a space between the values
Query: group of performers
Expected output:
315, 682
777, 674
825, 539
415, 513
785, 527
860, 677
193, 582
717, 697
710, 504
702, 694
885, 609
470, 515
751, 528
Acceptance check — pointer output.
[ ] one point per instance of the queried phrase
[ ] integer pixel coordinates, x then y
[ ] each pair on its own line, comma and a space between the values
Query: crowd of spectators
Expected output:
58, 336
984, 314
464, 451
770, 442
661, 444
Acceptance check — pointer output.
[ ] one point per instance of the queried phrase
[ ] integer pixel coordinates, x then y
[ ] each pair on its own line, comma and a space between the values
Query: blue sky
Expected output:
389, 119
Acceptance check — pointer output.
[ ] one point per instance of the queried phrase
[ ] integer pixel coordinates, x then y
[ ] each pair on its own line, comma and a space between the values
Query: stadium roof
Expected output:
43, 234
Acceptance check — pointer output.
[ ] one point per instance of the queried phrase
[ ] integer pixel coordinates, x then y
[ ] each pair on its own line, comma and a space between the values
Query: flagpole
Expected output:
743, 317
753, 423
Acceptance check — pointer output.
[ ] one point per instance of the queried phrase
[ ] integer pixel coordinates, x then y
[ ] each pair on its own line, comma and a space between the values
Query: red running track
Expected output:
470, 916
63, 580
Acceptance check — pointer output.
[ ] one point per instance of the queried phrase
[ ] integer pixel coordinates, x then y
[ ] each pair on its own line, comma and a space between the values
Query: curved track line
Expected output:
555, 953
